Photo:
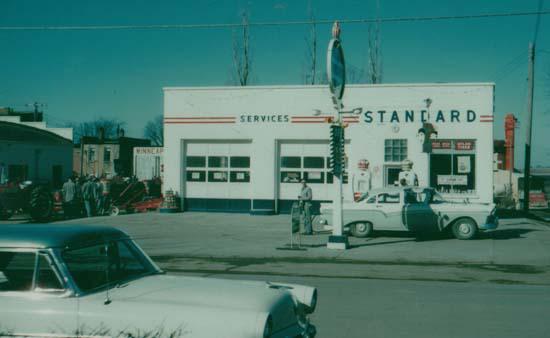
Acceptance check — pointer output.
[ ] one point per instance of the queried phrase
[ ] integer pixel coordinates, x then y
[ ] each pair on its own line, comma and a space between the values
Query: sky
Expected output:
82, 75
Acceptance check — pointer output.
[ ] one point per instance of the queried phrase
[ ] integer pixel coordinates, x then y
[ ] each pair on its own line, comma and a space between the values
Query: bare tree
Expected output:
311, 49
374, 51
242, 61
154, 131
110, 128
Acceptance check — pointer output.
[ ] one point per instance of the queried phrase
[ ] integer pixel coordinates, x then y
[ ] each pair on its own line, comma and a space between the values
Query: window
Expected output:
290, 176
240, 162
239, 176
107, 154
395, 150
217, 176
291, 162
18, 172
91, 154
220, 169
371, 200
46, 278
16, 270
314, 176
391, 175
218, 162
196, 176
101, 265
314, 162
196, 161
388, 198
452, 170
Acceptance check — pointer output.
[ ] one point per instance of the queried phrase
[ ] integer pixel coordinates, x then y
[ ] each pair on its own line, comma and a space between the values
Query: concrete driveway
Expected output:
517, 252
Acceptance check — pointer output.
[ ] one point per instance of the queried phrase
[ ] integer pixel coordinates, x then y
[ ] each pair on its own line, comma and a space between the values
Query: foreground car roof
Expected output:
43, 236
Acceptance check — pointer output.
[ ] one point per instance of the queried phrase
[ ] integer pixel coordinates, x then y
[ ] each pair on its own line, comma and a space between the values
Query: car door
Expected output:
418, 216
34, 299
388, 206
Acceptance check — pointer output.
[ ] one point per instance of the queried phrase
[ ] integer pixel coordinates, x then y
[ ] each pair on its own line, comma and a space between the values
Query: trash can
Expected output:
295, 214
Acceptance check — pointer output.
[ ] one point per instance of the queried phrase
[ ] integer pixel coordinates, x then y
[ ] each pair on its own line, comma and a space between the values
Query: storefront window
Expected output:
395, 150
452, 166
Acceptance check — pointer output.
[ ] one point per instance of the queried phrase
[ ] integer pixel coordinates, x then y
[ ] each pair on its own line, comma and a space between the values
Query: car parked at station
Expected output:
75, 280
413, 209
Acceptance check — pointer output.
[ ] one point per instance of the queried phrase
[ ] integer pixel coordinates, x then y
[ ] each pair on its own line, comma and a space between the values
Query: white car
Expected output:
413, 209
71, 280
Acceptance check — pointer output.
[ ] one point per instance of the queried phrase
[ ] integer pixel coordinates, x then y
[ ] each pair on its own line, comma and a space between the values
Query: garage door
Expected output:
217, 176
304, 160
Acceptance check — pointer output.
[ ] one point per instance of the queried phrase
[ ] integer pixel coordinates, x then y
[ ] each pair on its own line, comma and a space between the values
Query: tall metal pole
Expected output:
529, 120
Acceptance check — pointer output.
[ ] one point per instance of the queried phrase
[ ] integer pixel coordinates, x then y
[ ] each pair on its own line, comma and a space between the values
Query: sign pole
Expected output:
337, 79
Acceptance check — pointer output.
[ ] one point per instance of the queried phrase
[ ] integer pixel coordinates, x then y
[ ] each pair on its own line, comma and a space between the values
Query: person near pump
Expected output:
361, 180
407, 176
306, 196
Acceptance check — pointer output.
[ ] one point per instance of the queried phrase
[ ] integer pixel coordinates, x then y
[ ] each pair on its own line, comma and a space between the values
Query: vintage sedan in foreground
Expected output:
74, 280
413, 209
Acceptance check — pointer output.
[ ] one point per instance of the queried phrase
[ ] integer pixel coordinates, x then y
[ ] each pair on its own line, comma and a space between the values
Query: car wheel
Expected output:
361, 229
41, 204
464, 228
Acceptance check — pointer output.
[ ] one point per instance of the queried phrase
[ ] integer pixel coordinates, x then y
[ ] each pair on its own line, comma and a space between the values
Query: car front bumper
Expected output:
490, 224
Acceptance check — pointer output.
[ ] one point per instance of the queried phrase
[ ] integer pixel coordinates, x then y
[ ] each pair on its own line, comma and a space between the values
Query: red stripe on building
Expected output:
198, 122
201, 118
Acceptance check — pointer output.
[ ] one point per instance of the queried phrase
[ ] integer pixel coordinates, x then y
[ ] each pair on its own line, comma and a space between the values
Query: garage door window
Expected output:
291, 162
313, 169
196, 161
196, 175
216, 169
218, 162
240, 162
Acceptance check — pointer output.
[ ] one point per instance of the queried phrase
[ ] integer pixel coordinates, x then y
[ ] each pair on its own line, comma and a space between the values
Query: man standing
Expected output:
407, 177
306, 195
361, 180
69, 198
89, 192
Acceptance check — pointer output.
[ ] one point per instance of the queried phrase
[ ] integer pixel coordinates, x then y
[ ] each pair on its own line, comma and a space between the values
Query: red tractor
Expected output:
35, 199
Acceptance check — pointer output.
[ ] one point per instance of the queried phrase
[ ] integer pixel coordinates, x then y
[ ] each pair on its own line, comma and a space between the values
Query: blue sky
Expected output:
85, 74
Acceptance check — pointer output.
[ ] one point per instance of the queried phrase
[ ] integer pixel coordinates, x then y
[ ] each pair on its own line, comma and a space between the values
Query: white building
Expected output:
242, 149
148, 162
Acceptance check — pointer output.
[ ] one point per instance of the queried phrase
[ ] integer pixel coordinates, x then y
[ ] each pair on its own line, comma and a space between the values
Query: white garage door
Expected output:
217, 170
305, 160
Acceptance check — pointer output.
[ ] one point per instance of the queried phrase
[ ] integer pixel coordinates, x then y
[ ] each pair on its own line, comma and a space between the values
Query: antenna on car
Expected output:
108, 296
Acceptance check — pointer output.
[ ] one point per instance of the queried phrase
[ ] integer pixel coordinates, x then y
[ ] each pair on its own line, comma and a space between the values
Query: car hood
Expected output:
198, 291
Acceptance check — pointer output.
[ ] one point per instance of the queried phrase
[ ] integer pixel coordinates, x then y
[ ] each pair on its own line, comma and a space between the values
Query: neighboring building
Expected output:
32, 151
244, 149
148, 162
103, 156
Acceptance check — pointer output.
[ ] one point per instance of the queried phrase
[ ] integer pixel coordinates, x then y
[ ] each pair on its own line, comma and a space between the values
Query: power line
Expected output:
537, 24
272, 23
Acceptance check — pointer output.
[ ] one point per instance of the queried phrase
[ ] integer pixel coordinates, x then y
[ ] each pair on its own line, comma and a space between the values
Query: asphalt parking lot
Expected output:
518, 252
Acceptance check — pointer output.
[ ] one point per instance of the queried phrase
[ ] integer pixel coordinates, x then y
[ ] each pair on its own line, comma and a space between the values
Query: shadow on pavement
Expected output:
505, 234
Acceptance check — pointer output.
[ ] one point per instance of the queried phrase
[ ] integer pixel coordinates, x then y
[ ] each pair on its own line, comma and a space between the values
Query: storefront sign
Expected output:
464, 166
452, 180
441, 144
464, 145
411, 116
148, 150
264, 118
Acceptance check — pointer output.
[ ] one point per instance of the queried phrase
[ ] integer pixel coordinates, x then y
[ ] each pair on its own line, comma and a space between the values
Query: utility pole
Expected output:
527, 171
36, 105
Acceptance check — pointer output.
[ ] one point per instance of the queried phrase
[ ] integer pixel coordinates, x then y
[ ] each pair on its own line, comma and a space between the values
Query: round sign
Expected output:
336, 68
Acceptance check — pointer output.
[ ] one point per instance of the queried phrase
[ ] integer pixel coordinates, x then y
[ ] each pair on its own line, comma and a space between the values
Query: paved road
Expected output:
376, 308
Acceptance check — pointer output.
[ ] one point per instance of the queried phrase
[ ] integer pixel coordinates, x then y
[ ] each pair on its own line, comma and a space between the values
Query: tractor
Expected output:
36, 199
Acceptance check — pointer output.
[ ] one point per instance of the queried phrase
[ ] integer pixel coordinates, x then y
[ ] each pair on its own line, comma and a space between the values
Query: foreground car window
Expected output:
16, 270
98, 266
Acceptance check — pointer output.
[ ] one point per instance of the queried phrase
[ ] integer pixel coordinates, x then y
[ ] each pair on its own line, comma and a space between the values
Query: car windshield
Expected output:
112, 263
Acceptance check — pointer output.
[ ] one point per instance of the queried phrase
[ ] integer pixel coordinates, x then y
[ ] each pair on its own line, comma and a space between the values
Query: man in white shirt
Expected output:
361, 180
407, 177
